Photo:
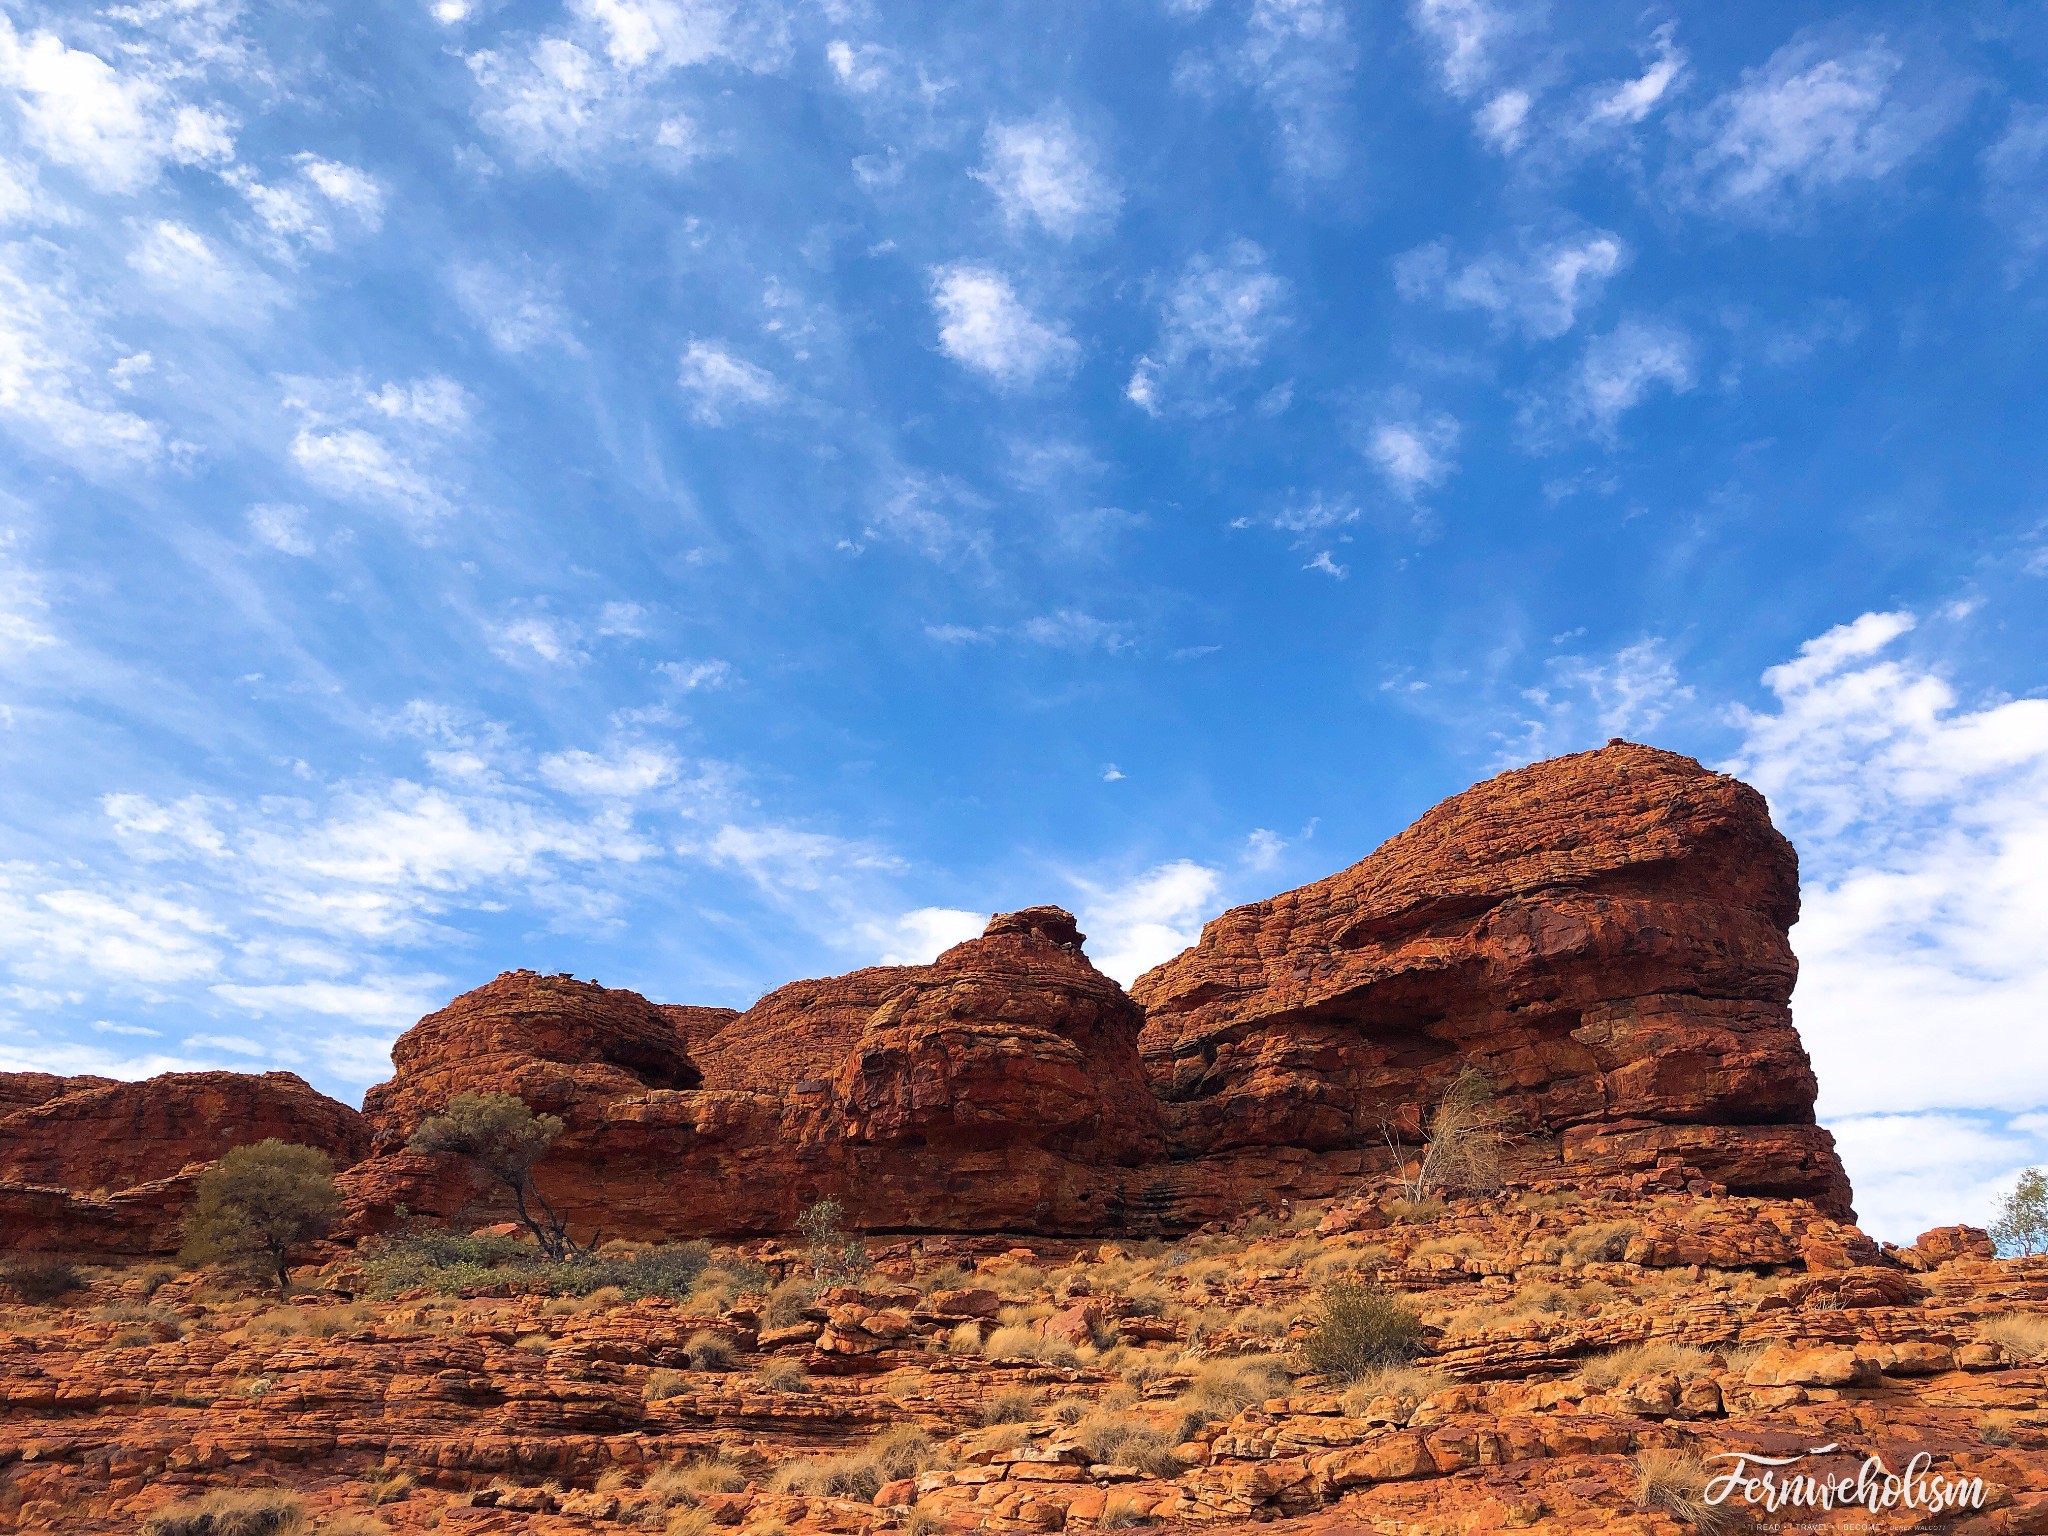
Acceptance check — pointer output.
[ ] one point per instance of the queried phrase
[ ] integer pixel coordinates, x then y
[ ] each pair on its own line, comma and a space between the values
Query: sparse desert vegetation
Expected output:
1196, 1359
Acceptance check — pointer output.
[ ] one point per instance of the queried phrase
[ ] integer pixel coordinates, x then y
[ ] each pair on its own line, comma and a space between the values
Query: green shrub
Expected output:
2021, 1226
38, 1281
257, 1204
447, 1263
1359, 1327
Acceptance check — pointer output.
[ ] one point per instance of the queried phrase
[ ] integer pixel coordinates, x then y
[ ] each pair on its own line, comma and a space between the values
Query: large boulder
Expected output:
1603, 935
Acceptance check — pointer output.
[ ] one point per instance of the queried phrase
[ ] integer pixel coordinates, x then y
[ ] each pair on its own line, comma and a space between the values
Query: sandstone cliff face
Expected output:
997, 1087
110, 1164
1603, 935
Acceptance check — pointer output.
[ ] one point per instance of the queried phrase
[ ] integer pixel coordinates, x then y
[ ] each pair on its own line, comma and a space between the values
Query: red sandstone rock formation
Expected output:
1604, 935
554, 1041
109, 1164
998, 1087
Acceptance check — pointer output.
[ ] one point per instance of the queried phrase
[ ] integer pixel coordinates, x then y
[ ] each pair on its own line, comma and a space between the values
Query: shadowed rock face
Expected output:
1603, 935
111, 1165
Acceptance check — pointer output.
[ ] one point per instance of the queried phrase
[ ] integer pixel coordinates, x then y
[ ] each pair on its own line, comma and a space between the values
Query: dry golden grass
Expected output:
663, 1383
1015, 1280
1123, 1512
947, 1277
1620, 1365
1675, 1482
2022, 1335
847, 1476
1406, 1385
786, 1303
1600, 1241
1463, 1245
1231, 1384
709, 1351
1010, 1407
1017, 1342
1129, 1440
306, 1322
689, 1522
352, 1524
1141, 1367
1331, 1264
782, 1374
250, 1512
1413, 1213
389, 1488
1263, 1322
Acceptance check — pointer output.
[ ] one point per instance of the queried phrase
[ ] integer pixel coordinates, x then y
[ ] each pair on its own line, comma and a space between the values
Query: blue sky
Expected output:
701, 495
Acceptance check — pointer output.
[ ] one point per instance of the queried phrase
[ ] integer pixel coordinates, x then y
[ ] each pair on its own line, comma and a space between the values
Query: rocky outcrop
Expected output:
555, 1042
1603, 935
998, 1087
109, 1165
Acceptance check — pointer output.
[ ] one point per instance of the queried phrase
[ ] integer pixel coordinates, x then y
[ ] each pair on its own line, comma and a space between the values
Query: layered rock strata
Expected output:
1604, 936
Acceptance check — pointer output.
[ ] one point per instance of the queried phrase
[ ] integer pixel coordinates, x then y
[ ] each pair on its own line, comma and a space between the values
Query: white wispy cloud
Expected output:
1469, 39
1922, 824
2016, 185
519, 314
116, 129
1139, 922
1540, 289
692, 675
24, 608
282, 527
1819, 115
626, 773
1616, 371
1044, 172
719, 383
983, 325
301, 211
545, 637
603, 86
1583, 700
378, 446
1217, 319
1624, 103
187, 272
918, 937
1414, 455
56, 394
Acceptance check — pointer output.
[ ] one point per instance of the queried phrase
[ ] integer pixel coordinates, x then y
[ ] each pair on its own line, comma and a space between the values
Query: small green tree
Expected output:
503, 1140
832, 1252
257, 1204
2021, 1226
